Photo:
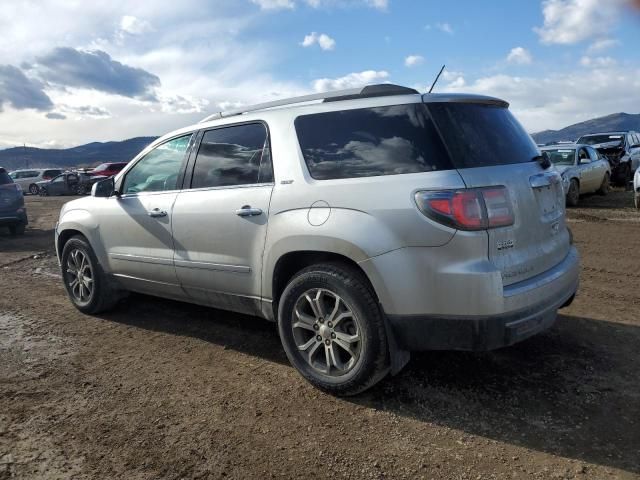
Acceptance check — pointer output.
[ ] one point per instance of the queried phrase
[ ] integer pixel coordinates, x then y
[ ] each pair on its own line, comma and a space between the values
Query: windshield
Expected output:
562, 156
595, 139
480, 135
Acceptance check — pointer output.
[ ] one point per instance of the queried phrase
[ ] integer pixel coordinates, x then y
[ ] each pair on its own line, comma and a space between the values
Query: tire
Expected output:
573, 195
33, 189
81, 190
328, 307
101, 295
636, 200
605, 185
624, 176
17, 229
43, 192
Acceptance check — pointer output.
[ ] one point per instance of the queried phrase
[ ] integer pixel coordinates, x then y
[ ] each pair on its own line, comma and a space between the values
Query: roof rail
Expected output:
378, 90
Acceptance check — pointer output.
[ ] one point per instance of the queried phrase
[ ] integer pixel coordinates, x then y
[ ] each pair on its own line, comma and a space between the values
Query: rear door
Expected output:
220, 222
490, 148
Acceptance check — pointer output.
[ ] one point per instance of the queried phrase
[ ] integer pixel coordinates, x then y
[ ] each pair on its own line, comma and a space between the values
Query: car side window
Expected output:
159, 169
593, 153
583, 156
231, 156
58, 179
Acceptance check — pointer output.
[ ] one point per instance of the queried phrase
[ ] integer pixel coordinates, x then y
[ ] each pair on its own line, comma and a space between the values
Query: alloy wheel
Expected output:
326, 332
79, 276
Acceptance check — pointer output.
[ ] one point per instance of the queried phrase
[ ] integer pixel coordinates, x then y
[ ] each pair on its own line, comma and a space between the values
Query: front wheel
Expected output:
573, 195
33, 189
43, 192
17, 229
87, 285
332, 329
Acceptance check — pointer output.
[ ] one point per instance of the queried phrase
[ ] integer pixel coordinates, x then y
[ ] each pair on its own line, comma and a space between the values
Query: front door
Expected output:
57, 186
136, 226
220, 222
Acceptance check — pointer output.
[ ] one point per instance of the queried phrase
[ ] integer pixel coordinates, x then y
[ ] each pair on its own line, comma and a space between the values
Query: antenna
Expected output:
436, 80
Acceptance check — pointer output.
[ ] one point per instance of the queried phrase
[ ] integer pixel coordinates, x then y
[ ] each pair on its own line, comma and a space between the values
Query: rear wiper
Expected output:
543, 160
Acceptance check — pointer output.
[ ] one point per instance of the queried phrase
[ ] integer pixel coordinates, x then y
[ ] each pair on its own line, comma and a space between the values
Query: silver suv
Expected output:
367, 223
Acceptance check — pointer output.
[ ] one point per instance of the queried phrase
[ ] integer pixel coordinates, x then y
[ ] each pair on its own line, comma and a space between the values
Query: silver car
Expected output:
28, 178
368, 223
583, 170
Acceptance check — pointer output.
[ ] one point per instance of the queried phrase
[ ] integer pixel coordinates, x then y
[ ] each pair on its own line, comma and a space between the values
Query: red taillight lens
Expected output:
470, 209
46, 177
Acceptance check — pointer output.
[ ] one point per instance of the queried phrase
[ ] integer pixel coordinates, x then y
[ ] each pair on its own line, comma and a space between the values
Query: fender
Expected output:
83, 221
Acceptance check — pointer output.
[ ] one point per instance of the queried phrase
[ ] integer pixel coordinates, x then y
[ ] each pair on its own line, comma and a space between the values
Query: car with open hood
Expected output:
622, 149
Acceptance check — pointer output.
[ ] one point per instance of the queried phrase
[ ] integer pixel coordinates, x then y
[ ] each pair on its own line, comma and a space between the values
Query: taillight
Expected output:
468, 209
46, 177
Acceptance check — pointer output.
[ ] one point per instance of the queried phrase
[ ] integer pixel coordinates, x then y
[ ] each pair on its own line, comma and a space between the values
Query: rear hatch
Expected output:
490, 148
10, 194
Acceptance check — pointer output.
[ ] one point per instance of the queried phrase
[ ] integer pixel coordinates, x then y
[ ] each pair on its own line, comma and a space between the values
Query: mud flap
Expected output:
398, 358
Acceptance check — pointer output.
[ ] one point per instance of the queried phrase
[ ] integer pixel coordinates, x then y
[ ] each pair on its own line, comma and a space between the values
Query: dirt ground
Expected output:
161, 389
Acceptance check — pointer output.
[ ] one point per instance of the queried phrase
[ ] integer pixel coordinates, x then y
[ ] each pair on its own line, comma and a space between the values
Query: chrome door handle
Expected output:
156, 212
247, 211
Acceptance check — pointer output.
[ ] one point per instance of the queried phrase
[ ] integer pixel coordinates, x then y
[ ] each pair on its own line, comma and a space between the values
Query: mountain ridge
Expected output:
609, 123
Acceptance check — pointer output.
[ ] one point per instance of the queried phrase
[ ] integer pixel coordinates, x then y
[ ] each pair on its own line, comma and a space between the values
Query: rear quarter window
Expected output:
5, 178
370, 142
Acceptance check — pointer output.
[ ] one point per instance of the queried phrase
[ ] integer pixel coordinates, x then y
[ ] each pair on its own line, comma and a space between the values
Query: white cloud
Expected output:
572, 21
413, 60
602, 44
562, 99
379, 4
445, 27
600, 62
352, 80
275, 4
324, 41
134, 26
519, 56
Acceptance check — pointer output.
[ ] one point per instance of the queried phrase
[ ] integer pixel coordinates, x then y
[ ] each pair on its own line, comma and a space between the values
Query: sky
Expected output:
73, 72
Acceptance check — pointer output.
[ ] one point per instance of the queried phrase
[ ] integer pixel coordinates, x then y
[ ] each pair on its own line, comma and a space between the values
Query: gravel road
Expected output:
162, 389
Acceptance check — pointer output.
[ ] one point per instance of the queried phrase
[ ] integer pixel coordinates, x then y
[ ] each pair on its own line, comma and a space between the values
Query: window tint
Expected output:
159, 169
370, 142
481, 135
5, 178
236, 155
51, 173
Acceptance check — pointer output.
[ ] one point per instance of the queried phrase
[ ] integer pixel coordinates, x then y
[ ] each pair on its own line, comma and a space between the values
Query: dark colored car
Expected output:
69, 183
13, 213
108, 169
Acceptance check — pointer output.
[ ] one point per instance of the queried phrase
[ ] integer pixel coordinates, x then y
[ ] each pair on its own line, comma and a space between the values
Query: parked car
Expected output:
69, 183
389, 230
13, 213
622, 149
583, 170
28, 179
636, 189
108, 169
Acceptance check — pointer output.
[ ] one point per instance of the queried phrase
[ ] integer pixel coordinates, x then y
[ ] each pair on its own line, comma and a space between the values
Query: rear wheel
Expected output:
87, 285
81, 190
604, 186
332, 329
573, 195
17, 229
33, 189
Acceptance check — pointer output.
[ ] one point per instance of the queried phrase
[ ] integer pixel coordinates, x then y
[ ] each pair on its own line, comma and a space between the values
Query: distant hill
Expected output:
88, 155
614, 122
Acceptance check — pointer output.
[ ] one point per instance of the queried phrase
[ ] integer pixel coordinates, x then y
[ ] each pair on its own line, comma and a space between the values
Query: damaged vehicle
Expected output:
636, 189
583, 170
68, 183
622, 149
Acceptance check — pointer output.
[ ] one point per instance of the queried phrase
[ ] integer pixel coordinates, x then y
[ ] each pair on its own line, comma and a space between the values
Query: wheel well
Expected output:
64, 237
291, 263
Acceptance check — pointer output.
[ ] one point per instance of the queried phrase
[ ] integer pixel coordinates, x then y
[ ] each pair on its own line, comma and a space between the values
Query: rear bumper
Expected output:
13, 217
529, 307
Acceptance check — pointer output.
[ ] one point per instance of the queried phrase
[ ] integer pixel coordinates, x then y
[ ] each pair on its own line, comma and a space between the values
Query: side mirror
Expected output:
584, 161
104, 188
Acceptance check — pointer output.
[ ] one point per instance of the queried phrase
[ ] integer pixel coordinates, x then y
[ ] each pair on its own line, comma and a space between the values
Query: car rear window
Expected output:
51, 173
5, 178
596, 139
481, 135
370, 142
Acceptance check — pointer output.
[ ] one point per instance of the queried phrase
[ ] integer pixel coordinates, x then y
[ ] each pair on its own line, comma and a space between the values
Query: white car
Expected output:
28, 179
636, 188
